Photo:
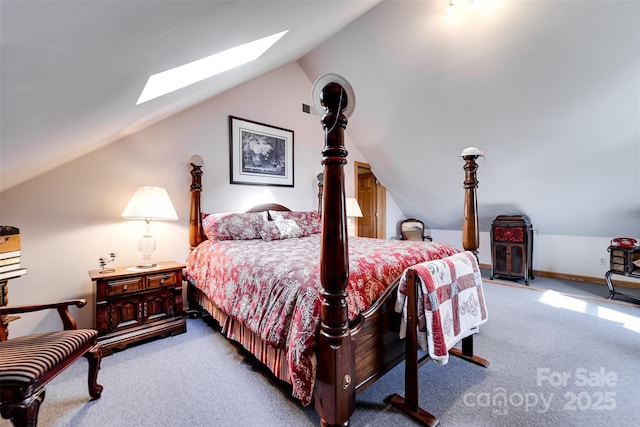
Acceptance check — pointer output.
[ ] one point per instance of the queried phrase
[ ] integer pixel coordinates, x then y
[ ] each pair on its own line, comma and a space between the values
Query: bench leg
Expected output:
94, 356
25, 413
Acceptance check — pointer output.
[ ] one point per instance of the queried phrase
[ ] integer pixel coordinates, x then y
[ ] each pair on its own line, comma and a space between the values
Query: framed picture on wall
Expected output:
260, 154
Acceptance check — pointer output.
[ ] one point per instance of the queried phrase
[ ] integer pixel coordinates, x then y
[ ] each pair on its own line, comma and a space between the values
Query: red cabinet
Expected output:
512, 247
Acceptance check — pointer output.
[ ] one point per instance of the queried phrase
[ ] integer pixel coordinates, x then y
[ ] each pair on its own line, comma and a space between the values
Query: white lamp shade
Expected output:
353, 208
150, 203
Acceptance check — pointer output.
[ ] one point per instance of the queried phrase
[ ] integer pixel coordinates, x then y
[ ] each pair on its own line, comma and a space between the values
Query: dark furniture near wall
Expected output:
413, 229
621, 262
512, 247
29, 363
134, 304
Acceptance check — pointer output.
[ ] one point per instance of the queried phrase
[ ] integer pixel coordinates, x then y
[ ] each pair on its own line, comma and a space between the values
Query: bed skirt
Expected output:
274, 359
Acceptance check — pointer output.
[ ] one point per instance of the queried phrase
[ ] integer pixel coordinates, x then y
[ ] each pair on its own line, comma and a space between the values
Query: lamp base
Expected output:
137, 268
146, 245
146, 266
351, 226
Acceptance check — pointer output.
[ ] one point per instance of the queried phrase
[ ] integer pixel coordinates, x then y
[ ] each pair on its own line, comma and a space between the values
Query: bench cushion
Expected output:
24, 360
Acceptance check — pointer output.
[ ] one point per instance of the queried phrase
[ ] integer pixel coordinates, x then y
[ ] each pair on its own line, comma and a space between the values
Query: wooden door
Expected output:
371, 196
367, 201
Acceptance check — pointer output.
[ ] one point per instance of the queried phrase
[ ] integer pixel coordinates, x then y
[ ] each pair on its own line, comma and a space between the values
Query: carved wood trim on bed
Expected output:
196, 232
265, 207
470, 231
349, 357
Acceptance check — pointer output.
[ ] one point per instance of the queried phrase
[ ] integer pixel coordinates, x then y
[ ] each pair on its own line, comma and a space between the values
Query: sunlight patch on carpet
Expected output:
630, 322
556, 299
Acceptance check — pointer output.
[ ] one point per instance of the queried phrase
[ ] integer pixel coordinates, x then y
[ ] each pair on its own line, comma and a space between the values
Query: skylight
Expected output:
193, 72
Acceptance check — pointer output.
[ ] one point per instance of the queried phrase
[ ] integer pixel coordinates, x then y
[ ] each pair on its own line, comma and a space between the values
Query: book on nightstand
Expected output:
10, 253
9, 239
13, 274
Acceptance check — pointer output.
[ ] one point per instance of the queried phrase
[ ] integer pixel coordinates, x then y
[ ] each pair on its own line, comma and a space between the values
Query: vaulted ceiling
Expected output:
71, 71
550, 91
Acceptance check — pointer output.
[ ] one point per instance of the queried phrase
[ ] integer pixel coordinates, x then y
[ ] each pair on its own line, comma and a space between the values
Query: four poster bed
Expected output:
318, 309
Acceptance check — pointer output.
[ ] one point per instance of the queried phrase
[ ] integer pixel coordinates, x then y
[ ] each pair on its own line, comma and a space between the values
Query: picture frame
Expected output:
260, 154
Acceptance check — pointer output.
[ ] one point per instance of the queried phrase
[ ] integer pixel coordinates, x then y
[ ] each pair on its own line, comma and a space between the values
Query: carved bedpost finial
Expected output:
470, 232
196, 232
335, 385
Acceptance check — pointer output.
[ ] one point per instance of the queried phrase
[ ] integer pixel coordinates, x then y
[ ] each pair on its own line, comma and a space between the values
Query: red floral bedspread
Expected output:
273, 287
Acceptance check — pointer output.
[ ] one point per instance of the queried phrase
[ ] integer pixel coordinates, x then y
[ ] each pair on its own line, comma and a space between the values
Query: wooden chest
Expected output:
133, 304
622, 259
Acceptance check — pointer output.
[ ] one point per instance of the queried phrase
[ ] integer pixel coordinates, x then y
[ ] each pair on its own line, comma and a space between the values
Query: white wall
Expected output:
548, 89
571, 255
70, 217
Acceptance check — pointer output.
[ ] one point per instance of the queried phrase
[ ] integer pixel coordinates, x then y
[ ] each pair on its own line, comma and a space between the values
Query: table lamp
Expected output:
149, 203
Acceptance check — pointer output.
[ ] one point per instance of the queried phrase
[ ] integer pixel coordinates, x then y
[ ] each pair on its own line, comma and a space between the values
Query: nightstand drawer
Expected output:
162, 280
121, 287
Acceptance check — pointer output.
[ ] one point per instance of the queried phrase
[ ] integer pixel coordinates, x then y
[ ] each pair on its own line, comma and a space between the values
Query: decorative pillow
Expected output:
232, 226
278, 214
268, 230
308, 221
279, 229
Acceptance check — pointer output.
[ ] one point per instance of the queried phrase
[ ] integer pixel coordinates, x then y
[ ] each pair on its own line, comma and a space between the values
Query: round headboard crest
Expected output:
196, 160
347, 95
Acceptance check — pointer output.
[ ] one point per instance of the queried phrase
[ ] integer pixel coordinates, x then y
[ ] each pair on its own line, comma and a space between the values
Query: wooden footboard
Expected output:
376, 337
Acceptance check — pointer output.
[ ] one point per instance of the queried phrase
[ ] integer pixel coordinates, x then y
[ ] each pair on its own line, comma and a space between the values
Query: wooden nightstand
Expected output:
135, 304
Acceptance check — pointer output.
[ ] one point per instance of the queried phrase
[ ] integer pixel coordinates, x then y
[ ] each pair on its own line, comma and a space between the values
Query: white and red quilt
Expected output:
273, 287
451, 303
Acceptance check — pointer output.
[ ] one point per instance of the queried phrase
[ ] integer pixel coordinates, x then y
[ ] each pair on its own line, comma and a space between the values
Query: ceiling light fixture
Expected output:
193, 72
452, 9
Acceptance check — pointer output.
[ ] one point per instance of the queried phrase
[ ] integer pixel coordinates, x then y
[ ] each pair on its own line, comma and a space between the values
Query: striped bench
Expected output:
28, 363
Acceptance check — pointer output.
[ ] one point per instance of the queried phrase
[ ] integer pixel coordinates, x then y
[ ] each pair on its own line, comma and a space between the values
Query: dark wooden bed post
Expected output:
195, 216
470, 237
335, 385
470, 241
470, 232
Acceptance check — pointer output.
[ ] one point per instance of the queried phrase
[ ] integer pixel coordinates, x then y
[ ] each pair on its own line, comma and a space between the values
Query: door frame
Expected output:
380, 197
